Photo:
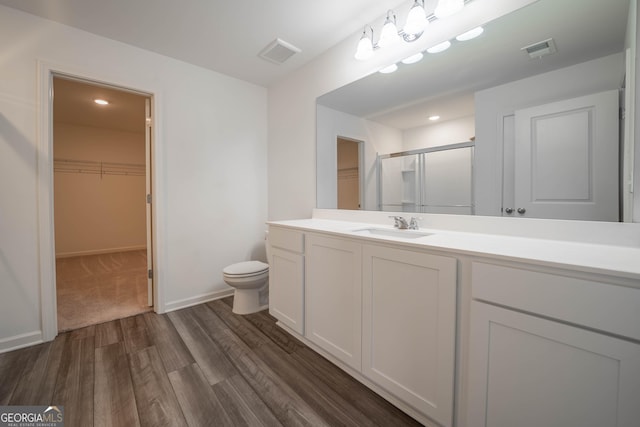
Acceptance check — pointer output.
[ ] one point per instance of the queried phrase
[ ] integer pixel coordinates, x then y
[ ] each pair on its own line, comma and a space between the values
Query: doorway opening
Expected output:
349, 173
102, 202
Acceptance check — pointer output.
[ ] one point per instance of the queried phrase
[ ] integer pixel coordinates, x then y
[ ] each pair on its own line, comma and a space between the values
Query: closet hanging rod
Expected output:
98, 168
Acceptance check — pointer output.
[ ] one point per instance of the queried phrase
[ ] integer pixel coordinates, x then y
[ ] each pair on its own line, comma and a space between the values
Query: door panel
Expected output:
566, 159
528, 371
334, 297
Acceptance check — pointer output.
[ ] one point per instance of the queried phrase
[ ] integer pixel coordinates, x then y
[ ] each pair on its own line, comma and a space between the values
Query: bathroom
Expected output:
202, 223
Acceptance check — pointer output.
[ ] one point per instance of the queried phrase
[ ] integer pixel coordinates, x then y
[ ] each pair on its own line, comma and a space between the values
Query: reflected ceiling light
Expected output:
413, 58
434, 118
471, 34
389, 35
101, 101
416, 20
365, 46
389, 69
441, 47
447, 8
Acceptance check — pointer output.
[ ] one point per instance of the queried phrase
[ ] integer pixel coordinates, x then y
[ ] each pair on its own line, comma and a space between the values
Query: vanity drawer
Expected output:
289, 240
593, 304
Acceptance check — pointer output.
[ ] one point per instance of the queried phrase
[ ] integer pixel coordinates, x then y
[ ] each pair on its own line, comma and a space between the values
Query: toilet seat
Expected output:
245, 269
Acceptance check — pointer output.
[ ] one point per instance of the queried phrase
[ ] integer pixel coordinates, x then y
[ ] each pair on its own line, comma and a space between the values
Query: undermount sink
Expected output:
391, 232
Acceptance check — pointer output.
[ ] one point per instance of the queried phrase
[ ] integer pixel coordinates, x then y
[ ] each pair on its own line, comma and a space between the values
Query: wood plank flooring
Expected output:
200, 366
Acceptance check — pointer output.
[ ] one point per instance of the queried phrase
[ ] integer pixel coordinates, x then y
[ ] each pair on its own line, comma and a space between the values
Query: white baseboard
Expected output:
199, 299
20, 341
100, 251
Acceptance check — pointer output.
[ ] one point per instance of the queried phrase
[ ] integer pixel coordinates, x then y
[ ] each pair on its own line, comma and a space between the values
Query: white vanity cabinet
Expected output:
552, 350
409, 312
333, 296
286, 277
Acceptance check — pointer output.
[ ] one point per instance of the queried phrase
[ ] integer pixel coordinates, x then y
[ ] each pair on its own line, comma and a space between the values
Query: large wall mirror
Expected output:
522, 132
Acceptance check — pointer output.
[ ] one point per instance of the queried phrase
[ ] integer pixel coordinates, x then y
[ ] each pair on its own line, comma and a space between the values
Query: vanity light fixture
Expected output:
389, 35
101, 101
365, 46
440, 47
389, 69
416, 23
471, 34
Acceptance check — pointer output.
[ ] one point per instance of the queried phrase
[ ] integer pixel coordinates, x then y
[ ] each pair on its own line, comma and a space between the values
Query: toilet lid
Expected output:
246, 268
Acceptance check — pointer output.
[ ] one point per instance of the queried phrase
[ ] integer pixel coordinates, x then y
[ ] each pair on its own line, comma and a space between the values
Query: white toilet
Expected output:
251, 282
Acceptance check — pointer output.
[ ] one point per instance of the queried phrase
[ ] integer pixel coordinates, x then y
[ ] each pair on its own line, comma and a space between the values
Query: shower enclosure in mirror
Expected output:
429, 180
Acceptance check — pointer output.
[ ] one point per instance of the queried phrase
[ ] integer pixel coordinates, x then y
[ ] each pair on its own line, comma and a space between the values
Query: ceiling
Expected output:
444, 83
224, 36
73, 104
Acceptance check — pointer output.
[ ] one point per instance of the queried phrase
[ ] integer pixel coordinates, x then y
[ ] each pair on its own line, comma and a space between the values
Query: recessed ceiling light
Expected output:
389, 69
101, 101
434, 118
471, 34
441, 47
413, 58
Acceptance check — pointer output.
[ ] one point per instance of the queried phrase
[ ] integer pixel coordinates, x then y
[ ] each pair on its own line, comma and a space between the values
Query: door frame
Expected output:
44, 173
361, 180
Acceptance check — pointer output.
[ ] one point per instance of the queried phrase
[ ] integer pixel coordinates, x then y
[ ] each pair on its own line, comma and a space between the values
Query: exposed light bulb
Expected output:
389, 34
416, 19
441, 47
471, 34
389, 69
413, 58
101, 101
364, 50
448, 7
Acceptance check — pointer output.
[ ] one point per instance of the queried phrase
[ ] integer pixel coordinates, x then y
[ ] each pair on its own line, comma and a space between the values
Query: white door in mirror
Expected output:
566, 159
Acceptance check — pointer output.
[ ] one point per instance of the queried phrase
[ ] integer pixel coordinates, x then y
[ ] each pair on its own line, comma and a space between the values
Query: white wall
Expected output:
98, 213
292, 104
493, 105
377, 138
209, 164
445, 133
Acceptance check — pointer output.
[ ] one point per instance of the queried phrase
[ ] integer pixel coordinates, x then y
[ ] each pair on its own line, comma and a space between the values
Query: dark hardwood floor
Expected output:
200, 366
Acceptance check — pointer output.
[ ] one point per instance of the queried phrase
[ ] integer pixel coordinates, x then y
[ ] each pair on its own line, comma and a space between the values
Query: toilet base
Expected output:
247, 301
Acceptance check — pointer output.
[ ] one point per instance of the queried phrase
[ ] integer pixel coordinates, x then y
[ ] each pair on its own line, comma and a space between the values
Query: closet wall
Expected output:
99, 190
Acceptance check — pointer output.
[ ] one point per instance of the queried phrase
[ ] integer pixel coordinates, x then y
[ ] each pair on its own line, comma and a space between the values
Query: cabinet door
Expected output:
334, 297
409, 310
528, 371
286, 288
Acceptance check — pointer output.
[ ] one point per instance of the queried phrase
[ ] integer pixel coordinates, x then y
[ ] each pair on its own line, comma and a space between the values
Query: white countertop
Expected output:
619, 261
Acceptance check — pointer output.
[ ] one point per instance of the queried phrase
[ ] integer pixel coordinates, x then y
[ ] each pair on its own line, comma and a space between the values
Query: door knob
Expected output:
509, 211
521, 211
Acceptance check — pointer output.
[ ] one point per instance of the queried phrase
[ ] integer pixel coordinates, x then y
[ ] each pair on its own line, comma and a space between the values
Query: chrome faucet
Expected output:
400, 222
413, 224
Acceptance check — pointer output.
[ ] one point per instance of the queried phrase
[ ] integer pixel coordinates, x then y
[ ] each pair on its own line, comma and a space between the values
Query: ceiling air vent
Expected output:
540, 49
278, 51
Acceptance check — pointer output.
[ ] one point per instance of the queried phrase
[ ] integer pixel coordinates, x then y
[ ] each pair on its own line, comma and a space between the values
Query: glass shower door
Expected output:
398, 183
